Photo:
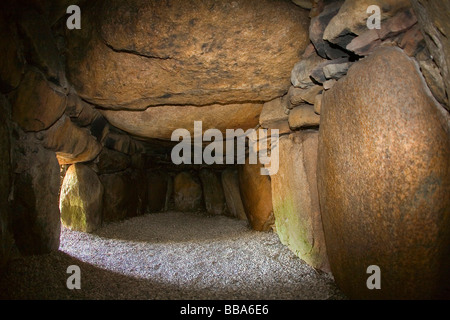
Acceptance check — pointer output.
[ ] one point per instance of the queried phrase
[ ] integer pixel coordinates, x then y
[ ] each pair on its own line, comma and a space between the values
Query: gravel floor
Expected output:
169, 256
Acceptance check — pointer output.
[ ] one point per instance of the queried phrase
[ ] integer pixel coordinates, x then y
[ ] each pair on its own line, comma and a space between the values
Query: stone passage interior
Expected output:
225, 149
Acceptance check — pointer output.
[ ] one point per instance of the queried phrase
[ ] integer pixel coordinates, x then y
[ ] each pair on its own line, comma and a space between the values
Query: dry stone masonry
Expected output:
359, 99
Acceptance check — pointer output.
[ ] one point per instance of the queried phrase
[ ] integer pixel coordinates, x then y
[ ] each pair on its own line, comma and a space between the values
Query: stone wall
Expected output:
383, 167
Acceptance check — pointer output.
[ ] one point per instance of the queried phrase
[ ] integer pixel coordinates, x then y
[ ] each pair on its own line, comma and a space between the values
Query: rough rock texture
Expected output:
336, 70
318, 103
212, 192
351, 19
318, 73
308, 95
399, 23
40, 46
317, 28
400, 30
120, 142
37, 104
81, 199
434, 22
164, 120
35, 218
384, 181
139, 186
303, 117
79, 111
300, 74
185, 52
110, 161
118, 197
230, 184
256, 196
6, 238
187, 192
434, 79
412, 41
12, 62
157, 190
296, 200
273, 113
365, 43
305, 4
71, 143
125, 194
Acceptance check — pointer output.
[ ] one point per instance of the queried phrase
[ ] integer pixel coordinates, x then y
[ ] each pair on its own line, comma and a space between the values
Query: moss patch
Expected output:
293, 230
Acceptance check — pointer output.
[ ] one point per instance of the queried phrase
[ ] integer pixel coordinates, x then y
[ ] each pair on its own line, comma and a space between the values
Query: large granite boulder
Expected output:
384, 179
296, 200
185, 52
165, 119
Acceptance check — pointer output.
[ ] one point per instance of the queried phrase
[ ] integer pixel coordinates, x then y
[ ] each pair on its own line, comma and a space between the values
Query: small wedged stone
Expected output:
303, 117
273, 112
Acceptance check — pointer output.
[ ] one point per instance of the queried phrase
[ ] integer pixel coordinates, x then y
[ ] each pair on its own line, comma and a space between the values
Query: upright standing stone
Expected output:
212, 192
116, 196
384, 180
187, 192
81, 199
157, 190
6, 239
256, 196
230, 183
35, 220
296, 200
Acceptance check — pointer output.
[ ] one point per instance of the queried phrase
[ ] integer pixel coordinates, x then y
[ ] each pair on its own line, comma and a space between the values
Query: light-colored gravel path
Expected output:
170, 256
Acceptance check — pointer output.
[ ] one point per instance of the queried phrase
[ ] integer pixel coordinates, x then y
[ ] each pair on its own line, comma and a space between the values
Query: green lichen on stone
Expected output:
73, 211
73, 216
292, 230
